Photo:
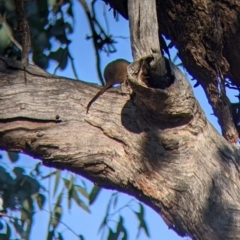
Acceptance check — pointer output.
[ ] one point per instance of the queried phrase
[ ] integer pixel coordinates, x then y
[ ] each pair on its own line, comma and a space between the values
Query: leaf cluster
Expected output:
25, 194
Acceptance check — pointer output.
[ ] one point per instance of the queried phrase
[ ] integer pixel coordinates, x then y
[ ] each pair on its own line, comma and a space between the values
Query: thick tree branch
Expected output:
172, 159
142, 15
206, 34
144, 36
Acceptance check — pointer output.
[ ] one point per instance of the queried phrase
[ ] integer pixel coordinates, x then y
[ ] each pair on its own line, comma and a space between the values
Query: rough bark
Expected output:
187, 24
207, 34
167, 155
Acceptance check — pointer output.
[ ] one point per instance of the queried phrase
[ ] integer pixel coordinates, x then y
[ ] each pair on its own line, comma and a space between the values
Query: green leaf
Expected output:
57, 29
28, 206
10, 5
84, 183
142, 223
19, 172
59, 198
79, 202
60, 237
115, 200
60, 56
56, 184
71, 181
112, 235
40, 59
6, 177
68, 27
93, 194
24, 215
13, 156
81, 237
105, 219
41, 200
50, 235
57, 214
56, 55
70, 190
64, 59
66, 182
52, 2
121, 229
81, 190
70, 10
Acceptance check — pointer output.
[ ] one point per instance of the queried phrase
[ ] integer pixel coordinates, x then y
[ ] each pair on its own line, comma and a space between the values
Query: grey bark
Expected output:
171, 158
206, 33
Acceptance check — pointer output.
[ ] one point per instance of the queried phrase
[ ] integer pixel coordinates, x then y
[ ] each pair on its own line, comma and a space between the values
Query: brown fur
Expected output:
114, 73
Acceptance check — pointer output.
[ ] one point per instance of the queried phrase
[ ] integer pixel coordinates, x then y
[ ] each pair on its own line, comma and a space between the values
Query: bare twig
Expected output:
90, 20
24, 30
101, 40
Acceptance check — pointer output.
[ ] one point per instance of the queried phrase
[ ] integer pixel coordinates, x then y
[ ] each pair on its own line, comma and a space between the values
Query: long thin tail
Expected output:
100, 92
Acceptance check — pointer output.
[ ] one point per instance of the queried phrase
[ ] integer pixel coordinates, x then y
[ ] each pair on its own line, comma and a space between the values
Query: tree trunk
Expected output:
154, 144
207, 34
